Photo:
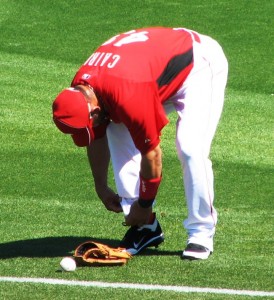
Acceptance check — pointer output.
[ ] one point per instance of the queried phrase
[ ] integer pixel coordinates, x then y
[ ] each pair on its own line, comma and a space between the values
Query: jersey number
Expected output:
132, 37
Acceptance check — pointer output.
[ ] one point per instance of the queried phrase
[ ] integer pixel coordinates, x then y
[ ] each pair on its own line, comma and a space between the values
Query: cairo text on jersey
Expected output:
103, 59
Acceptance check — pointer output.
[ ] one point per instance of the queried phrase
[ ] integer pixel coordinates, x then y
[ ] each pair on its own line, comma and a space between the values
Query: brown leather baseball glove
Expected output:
91, 253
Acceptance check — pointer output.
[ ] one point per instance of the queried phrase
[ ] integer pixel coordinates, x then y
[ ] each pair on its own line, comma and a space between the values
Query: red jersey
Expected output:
134, 73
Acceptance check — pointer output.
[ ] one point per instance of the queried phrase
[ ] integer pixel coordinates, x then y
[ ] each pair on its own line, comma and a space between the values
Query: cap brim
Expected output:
82, 138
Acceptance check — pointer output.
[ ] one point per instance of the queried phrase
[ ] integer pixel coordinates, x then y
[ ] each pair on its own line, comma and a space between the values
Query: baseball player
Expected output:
118, 104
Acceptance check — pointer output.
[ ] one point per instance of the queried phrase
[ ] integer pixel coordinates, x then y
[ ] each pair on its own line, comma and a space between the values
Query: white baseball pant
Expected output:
198, 103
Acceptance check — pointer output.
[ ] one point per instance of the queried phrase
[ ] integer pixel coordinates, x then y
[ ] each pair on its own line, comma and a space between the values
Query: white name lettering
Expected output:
101, 59
115, 58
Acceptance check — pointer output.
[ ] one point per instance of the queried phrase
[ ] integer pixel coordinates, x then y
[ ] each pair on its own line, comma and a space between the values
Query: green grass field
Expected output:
48, 203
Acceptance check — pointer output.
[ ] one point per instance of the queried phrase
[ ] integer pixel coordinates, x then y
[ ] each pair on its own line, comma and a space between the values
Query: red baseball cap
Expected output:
71, 116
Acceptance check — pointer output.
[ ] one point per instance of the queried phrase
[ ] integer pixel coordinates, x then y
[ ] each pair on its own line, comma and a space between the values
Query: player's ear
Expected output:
95, 111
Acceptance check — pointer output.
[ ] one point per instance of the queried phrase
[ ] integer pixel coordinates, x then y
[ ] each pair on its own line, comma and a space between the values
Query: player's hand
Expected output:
138, 215
110, 199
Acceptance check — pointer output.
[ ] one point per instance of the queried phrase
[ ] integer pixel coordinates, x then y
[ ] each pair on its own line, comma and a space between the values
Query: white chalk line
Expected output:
98, 284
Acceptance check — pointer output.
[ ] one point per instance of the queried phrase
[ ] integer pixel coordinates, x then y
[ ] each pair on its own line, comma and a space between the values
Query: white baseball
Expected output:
68, 264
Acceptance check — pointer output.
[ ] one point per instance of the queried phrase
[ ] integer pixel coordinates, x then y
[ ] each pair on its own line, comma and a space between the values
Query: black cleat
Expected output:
139, 238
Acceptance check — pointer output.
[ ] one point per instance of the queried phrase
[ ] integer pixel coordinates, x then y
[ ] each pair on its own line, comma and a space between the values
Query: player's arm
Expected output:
151, 164
99, 158
150, 178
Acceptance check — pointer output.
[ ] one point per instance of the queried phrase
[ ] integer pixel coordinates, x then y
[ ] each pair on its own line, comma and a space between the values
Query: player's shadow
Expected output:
159, 252
46, 247
59, 247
